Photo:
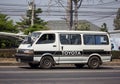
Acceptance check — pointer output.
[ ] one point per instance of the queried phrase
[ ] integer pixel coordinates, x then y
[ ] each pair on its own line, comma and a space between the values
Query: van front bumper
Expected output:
24, 58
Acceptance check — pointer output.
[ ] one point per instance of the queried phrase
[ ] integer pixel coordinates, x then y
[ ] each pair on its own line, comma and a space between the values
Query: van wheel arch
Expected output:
94, 62
46, 62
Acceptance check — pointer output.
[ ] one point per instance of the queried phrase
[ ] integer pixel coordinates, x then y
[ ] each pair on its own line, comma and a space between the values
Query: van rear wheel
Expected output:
46, 62
94, 62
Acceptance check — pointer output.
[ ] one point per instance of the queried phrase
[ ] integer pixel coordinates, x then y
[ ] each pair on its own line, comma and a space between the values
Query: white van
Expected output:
47, 48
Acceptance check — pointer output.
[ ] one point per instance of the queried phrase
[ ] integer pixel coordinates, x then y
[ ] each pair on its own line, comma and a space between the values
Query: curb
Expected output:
11, 64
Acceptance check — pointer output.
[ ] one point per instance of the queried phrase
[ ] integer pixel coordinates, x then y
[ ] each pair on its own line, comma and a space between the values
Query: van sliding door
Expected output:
70, 45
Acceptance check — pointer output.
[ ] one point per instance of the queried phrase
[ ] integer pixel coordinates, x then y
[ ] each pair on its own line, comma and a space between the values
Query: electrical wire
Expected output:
20, 9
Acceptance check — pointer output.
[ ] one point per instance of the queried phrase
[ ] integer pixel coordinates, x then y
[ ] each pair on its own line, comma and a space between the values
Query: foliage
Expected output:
115, 54
25, 23
7, 25
117, 20
83, 26
7, 43
7, 53
104, 27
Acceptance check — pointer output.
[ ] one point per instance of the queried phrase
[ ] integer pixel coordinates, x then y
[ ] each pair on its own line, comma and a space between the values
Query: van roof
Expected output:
71, 31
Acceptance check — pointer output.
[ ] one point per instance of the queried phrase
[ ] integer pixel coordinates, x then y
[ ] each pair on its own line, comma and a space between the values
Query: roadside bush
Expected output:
115, 54
7, 53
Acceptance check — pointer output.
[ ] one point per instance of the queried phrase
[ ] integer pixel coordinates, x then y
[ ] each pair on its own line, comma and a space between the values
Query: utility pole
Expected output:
32, 8
70, 14
76, 14
77, 4
33, 11
70, 11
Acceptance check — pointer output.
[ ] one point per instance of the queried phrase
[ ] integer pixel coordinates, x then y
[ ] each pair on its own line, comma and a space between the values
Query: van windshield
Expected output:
30, 39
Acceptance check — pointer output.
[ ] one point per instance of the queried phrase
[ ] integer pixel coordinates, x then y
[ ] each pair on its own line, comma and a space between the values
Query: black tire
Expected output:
34, 65
46, 62
94, 62
79, 65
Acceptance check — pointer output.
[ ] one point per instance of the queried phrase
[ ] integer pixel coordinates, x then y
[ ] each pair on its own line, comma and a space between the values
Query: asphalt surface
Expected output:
59, 75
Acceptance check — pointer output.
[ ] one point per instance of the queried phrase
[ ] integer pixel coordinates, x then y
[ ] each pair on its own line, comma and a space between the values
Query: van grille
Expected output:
21, 51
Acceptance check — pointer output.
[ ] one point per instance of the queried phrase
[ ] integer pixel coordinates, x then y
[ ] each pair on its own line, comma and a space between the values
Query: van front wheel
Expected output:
94, 62
46, 62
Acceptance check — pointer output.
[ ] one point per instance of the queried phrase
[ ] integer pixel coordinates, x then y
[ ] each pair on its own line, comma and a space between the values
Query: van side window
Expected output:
70, 39
89, 39
101, 39
95, 39
46, 38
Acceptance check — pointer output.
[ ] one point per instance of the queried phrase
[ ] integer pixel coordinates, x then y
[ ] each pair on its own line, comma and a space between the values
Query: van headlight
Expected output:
30, 52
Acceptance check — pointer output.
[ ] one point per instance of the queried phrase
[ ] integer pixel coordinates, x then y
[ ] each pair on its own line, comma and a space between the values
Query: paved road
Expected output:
59, 75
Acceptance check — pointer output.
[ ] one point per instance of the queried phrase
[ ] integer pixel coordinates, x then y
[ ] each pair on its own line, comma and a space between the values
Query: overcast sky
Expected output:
95, 11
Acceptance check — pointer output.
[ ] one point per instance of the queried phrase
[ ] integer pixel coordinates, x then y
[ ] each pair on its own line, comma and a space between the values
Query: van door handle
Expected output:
54, 46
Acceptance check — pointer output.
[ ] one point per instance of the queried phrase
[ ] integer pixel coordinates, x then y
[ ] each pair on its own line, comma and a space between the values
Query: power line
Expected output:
83, 6
101, 18
18, 10
88, 13
93, 15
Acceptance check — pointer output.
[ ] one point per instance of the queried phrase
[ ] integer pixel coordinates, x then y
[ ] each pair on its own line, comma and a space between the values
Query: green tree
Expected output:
117, 20
6, 25
8, 43
25, 23
83, 26
104, 27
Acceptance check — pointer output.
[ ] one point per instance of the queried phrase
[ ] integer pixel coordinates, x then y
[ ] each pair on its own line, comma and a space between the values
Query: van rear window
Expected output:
96, 39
